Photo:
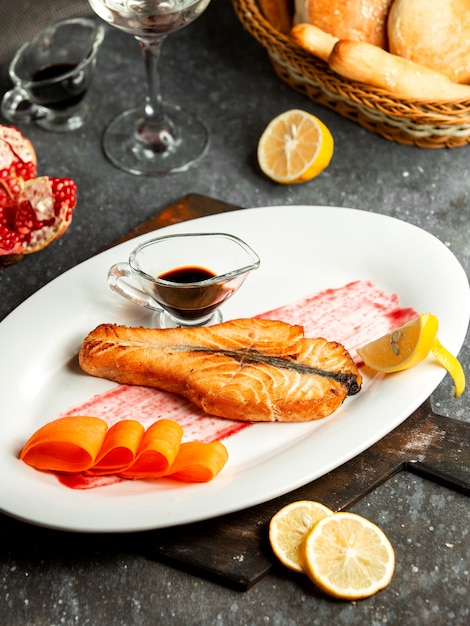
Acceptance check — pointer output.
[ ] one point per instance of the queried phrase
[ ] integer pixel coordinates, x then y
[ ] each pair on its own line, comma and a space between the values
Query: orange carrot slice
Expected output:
68, 444
120, 447
160, 445
77, 444
198, 461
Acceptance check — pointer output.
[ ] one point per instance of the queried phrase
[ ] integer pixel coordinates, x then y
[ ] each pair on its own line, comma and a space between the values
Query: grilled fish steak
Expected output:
244, 369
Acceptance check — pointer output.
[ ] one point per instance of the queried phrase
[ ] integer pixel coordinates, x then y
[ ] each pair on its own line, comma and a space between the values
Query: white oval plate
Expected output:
303, 249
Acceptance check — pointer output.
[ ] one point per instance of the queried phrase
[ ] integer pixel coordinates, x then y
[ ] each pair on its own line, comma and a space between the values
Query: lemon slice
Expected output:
409, 345
289, 527
295, 147
348, 557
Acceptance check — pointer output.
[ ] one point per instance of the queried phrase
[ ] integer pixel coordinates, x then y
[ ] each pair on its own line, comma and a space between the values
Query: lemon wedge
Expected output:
410, 344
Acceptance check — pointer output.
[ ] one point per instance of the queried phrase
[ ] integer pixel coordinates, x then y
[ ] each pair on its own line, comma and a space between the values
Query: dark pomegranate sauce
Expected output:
60, 94
189, 274
186, 300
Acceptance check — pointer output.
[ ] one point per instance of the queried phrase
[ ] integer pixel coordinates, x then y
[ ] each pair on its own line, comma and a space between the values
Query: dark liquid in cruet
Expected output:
191, 302
61, 94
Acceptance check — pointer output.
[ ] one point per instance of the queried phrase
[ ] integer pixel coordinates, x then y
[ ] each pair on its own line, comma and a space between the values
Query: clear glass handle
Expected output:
119, 279
17, 106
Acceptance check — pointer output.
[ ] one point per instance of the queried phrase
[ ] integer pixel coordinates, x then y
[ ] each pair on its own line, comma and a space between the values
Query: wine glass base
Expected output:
122, 148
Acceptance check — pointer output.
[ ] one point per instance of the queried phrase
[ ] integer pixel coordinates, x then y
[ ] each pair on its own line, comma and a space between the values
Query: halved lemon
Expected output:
348, 557
409, 345
289, 527
295, 147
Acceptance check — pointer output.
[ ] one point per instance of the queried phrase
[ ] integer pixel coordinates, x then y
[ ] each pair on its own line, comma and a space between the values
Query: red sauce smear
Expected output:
352, 315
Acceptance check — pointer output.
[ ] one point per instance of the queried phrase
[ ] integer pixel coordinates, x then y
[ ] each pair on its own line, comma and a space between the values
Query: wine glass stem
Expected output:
156, 133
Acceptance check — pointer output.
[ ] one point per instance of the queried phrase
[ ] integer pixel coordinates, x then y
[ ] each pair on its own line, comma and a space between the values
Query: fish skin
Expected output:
244, 369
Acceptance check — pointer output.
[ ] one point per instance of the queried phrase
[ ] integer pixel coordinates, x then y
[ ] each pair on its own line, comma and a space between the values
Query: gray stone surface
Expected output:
217, 69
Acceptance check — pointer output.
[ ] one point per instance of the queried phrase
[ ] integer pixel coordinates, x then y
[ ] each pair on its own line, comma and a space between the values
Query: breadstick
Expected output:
372, 65
313, 40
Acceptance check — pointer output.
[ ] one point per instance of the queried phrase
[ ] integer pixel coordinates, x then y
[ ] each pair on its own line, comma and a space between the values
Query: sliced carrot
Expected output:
120, 447
68, 444
160, 445
77, 444
198, 461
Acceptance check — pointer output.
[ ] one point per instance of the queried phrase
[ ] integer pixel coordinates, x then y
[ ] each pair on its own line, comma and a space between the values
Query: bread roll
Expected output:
369, 64
361, 20
434, 33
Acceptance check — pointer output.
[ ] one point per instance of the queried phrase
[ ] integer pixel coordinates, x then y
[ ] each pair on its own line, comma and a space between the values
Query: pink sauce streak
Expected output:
352, 315
148, 405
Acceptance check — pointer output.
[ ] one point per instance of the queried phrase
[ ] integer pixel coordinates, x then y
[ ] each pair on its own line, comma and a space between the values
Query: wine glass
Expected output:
157, 138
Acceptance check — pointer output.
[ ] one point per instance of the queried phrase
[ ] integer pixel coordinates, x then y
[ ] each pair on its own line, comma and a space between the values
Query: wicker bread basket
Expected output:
442, 124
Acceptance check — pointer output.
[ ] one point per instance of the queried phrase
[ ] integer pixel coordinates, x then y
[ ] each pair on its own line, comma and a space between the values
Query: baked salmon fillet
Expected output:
243, 369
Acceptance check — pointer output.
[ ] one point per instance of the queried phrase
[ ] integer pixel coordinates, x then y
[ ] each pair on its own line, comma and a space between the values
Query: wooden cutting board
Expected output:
233, 550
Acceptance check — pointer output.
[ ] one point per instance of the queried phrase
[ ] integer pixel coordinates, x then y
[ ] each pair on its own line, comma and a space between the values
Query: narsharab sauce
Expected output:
193, 294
